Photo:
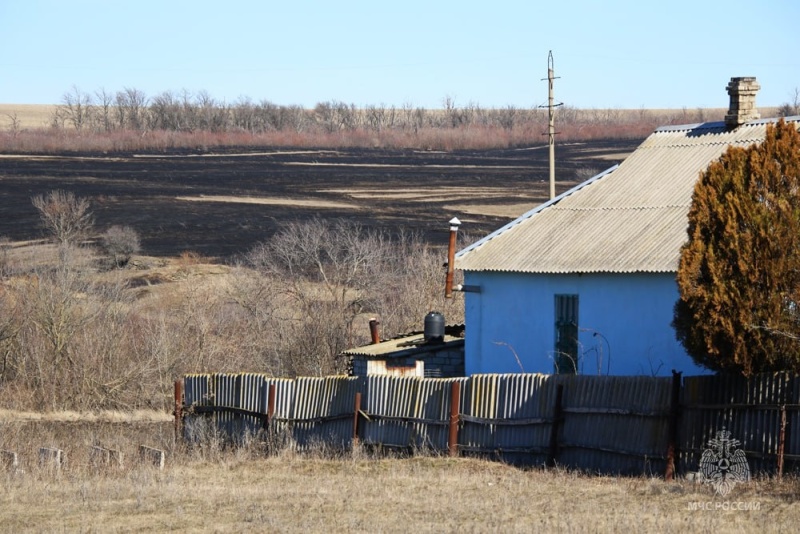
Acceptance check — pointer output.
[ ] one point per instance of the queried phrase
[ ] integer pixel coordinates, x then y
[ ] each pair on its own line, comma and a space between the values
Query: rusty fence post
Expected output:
558, 417
356, 416
270, 407
781, 441
455, 398
672, 426
178, 410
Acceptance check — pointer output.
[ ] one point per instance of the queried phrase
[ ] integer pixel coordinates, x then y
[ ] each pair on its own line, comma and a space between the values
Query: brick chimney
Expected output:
743, 101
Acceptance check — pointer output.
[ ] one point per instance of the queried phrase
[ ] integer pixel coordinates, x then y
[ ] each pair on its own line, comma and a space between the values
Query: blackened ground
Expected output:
390, 189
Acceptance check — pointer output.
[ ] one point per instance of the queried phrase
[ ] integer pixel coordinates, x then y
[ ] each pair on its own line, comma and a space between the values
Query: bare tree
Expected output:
105, 101
66, 217
319, 280
165, 112
243, 115
329, 274
9, 313
131, 107
77, 108
791, 108
506, 117
213, 115
120, 243
270, 116
14, 128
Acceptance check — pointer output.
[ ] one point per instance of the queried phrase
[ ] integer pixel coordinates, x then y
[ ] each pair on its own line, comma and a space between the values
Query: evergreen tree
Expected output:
739, 273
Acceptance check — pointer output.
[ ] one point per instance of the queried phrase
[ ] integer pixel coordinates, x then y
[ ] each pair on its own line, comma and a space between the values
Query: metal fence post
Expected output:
178, 409
455, 398
558, 416
356, 414
781, 441
270, 406
672, 426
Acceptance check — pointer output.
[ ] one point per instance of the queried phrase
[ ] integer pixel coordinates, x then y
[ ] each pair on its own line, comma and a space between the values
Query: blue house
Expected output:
586, 282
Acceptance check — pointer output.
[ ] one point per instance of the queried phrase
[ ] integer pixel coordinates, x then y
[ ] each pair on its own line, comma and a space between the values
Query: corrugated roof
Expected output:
400, 348
630, 218
409, 344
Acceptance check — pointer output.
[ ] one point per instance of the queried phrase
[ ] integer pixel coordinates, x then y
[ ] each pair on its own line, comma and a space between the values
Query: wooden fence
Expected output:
606, 424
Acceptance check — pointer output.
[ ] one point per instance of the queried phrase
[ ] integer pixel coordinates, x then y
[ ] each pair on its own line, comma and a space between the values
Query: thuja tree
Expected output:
739, 272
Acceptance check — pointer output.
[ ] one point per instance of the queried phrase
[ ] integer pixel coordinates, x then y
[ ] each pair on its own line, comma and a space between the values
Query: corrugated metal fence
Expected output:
599, 423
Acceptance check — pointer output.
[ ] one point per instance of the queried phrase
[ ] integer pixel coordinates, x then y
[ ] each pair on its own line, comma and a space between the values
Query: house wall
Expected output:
623, 320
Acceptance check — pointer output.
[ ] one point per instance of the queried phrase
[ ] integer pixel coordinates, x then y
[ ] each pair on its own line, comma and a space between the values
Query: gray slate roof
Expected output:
630, 218
411, 344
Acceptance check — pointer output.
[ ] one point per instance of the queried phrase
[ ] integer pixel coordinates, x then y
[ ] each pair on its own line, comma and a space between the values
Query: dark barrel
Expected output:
434, 327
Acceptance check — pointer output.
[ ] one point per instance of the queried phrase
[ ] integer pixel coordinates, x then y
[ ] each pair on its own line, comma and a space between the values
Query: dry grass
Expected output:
271, 201
498, 210
27, 115
210, 488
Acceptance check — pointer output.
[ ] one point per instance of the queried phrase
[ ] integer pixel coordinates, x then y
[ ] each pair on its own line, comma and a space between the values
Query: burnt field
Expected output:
220, 204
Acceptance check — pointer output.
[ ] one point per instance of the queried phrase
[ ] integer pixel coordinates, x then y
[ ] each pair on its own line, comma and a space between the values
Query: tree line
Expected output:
129, 119
130, 109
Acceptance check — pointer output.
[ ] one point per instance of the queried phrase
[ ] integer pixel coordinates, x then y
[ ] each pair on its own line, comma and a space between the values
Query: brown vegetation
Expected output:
210, 487
75, 335
129, 120
739, 275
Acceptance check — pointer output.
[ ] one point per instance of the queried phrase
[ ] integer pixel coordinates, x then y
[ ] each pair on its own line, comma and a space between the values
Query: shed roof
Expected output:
630, 218
411, 344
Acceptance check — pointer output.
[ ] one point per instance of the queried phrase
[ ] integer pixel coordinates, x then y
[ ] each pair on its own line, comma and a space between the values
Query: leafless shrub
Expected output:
73, 337
120, 243
66, 217
327, 273
325, 279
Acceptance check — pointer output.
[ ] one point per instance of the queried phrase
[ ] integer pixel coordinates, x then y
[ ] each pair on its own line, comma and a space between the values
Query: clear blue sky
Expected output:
608, 54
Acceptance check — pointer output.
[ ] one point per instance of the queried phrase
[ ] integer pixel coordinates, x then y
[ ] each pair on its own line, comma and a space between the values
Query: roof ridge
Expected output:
610, 208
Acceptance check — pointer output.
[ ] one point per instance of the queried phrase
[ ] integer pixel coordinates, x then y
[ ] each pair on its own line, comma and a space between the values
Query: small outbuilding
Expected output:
435, 352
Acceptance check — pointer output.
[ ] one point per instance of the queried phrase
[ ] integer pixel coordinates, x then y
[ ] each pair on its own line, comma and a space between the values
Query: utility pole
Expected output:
551, 131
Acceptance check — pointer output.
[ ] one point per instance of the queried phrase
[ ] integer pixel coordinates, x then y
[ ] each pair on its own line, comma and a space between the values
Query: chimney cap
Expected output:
740, 83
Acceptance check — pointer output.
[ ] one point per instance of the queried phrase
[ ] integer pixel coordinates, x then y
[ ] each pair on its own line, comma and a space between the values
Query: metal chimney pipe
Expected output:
373, 330
451, 258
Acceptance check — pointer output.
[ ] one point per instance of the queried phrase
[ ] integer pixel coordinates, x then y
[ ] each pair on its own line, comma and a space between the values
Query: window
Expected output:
566, 349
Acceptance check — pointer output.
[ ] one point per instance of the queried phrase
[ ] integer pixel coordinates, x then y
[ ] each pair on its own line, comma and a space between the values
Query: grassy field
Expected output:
295, 494
210, 488
27, 115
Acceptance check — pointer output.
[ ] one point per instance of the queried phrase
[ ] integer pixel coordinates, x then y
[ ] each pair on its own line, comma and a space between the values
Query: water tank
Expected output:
434, 327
